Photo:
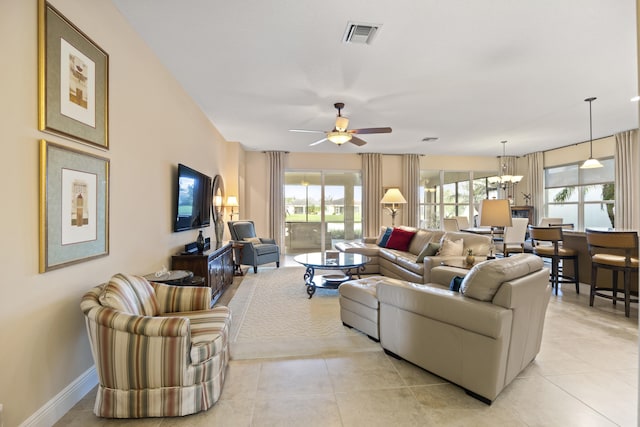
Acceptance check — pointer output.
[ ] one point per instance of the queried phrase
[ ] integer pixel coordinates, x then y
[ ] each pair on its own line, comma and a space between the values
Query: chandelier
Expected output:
504, 180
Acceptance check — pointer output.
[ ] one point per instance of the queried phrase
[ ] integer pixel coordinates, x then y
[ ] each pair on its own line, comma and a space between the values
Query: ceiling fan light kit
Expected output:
338, 137
340, 134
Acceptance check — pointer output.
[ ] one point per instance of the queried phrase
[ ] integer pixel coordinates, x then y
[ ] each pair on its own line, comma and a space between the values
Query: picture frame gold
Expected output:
73, 81
74, 206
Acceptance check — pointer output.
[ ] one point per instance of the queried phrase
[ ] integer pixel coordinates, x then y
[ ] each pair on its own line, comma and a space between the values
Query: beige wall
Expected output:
153, 125
603, 147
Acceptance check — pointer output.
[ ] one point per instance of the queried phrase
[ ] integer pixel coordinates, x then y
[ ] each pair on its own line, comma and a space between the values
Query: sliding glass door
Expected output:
322, 207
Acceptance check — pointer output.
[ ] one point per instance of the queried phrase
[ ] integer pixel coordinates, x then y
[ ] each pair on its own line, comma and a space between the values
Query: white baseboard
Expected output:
61, 403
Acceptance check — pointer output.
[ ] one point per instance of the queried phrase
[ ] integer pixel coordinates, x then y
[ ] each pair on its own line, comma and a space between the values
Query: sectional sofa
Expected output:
480, 337
415, 262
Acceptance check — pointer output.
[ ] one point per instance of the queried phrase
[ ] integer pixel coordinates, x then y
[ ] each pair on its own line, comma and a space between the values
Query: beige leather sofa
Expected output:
480, 338
403, 265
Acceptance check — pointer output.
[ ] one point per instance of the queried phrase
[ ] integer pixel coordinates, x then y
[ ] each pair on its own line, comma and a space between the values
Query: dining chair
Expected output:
546, 221
554, 251
566, 226
514, 237
463, 222
450, 224
616, 251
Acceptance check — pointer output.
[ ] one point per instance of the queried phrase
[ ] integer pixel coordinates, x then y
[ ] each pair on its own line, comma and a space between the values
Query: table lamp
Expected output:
393, 197
495, 213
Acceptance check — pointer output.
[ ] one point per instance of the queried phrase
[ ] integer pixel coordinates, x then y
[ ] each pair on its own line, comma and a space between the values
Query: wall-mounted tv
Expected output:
192, 199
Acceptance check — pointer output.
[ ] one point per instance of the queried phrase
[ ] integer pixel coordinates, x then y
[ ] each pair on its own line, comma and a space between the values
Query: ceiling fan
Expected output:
340, 134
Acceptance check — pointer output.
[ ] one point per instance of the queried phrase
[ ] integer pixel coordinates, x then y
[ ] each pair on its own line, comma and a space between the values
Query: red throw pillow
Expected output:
400, 239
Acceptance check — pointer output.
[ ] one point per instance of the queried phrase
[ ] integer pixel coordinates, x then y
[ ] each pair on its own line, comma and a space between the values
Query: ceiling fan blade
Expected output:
318, 142
359, 142
306, 131
371, 130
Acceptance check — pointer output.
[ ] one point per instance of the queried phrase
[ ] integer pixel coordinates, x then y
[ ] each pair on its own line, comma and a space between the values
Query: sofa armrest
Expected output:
435, 261
267, 240
447, 307
173, 298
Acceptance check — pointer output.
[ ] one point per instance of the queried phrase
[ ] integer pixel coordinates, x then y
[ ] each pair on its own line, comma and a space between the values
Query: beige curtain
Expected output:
411, 187
627, 205
372, 193
535, 184
276, 195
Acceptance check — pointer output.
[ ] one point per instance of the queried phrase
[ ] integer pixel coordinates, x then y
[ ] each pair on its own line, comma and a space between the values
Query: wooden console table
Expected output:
215, 266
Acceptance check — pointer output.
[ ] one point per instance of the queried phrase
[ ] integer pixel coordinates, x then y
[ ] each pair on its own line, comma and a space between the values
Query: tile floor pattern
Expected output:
585, 375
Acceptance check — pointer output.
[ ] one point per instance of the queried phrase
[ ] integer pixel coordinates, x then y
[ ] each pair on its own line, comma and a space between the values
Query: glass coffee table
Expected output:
346, 264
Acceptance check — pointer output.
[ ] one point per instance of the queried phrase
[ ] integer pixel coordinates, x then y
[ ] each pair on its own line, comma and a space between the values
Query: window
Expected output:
583, 197
321, 208
446, 194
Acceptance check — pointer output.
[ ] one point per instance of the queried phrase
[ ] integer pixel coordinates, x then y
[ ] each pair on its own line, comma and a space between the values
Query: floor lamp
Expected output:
495, 213
393, 197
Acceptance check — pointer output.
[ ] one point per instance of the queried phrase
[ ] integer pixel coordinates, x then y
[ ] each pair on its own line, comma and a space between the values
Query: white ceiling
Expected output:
470, 72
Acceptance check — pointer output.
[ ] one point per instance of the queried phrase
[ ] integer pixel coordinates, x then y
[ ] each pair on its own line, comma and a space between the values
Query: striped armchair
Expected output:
159, 350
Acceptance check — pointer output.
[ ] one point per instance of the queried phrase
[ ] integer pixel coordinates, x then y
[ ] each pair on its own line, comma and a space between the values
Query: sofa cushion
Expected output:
130, 294
451, 247
369, 249
384, 238
400, 239
485, 278
252, 239
265, 248
420, 240
478, 243
431, 249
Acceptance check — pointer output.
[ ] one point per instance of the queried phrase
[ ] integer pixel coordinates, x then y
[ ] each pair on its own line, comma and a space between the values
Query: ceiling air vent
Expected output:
359, 32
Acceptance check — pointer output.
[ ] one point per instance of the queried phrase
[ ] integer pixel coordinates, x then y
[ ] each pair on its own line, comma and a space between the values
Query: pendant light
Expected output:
591, 163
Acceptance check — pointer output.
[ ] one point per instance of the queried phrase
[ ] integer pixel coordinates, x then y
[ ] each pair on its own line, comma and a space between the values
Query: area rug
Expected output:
273, 317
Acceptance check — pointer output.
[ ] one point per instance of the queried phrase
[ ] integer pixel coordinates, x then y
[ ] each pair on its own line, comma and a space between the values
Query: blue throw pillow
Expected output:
385, 238
455, 284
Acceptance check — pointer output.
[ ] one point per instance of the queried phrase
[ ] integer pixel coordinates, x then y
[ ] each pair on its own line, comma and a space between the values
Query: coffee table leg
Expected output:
308, 279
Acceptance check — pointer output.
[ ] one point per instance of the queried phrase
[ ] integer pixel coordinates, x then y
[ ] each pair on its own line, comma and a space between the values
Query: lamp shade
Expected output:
591, 163
393, 196
495, 213
232, 201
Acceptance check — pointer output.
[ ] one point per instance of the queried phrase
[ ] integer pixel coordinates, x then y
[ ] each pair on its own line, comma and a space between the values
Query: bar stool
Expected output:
616, 251
556, 253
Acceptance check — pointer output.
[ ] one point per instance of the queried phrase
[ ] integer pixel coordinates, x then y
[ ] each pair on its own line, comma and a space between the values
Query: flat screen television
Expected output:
192, 199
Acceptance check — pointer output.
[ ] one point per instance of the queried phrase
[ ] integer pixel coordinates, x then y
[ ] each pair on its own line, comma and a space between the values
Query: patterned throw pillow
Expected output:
384, 238
400, 239
254, 240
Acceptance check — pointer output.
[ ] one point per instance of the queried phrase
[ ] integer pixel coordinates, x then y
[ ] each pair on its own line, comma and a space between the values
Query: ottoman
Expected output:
359, 305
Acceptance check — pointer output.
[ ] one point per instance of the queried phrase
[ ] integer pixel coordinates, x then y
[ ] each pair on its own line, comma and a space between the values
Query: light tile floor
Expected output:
585, 375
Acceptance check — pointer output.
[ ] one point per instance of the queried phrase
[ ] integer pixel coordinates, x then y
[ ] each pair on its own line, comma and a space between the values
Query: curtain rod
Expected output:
392, 154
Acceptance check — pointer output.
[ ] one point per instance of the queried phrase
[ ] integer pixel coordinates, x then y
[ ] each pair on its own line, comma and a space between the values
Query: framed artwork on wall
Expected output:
73, 80
74, 206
